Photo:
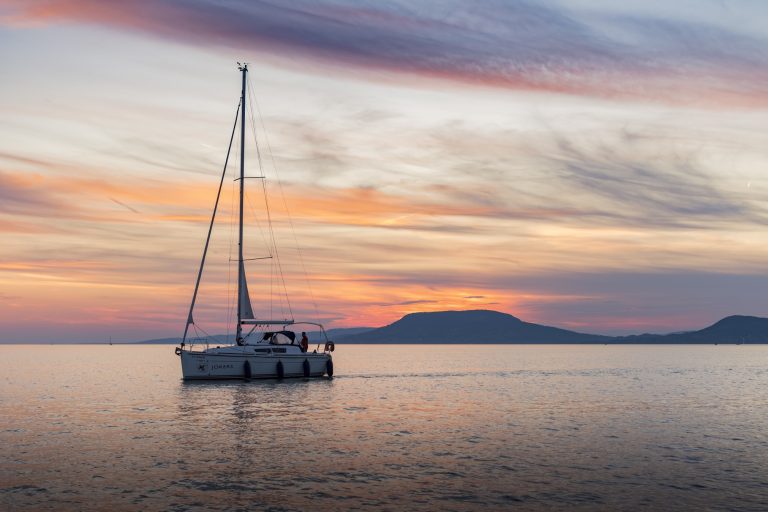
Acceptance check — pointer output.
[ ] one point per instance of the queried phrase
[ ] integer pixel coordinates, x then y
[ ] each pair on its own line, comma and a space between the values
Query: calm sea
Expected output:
398, 428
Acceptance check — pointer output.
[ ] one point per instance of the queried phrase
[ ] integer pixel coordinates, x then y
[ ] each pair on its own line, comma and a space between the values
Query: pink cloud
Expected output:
516, 45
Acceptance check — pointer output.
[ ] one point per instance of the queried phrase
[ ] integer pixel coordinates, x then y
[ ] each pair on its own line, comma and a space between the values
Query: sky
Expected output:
589, 164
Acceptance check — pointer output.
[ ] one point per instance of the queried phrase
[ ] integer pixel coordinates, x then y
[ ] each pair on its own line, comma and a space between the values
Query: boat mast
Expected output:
240, 266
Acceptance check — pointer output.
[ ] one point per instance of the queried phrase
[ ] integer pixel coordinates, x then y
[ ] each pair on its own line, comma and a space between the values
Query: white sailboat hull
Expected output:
205, 365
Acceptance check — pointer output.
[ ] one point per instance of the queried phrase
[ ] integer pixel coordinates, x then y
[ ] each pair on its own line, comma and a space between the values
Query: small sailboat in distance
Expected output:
263, 348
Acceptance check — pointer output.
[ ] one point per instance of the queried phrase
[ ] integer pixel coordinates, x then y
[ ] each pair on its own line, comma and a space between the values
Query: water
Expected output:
398, 428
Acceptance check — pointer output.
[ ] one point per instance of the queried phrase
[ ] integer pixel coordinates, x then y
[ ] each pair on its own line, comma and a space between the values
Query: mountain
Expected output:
476, 326
731, 329
341, 331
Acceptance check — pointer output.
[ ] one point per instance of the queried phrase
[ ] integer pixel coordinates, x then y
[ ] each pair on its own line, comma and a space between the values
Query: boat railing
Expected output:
327, 344
200, 340
207, 341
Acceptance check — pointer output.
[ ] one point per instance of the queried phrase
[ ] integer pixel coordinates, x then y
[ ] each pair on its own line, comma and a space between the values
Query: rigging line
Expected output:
274, 244
230, 292
267, 244
197, 336
253, 123
276, 253
200, 337
261, 166
285, 202
266, 200
258, 224
251, 98
205, 337
210, 336
250, 332
271, 246
210, 227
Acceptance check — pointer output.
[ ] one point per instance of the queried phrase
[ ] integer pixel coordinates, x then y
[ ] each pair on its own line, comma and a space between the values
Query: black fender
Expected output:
247, 370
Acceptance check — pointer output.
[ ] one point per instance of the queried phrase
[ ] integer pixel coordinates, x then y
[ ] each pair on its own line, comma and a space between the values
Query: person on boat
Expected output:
304, 342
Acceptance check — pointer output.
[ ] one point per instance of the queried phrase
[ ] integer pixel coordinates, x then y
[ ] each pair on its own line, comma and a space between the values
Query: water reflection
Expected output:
417, 428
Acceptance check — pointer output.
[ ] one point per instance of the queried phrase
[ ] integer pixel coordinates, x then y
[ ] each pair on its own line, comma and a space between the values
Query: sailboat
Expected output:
263, 348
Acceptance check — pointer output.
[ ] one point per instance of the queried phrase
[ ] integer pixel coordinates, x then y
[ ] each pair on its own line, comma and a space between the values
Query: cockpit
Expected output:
279, 338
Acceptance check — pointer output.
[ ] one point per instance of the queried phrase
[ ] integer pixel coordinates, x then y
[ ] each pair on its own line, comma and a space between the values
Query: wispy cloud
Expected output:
630, 186
25, 194
408, 303
515, 44
625, 173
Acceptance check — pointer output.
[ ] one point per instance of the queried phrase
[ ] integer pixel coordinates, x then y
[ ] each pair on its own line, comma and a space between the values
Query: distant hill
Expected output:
732, 329
477, 326
338, 333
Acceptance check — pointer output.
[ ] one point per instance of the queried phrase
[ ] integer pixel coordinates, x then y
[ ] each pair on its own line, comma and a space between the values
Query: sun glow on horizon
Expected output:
609, 188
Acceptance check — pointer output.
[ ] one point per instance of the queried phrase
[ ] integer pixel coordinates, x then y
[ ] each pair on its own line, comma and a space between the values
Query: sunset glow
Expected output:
576, 163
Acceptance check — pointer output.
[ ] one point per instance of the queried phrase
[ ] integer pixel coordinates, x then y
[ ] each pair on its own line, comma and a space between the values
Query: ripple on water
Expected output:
401, 428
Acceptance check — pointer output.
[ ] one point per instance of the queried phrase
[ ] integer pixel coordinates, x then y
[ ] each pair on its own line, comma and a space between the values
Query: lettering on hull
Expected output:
262, 367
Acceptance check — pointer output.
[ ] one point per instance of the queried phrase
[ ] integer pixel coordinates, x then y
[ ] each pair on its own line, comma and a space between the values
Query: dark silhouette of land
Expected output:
735, 329
485, 326
480, 326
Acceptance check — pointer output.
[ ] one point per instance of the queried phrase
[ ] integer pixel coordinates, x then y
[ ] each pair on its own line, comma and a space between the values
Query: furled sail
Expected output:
246, 312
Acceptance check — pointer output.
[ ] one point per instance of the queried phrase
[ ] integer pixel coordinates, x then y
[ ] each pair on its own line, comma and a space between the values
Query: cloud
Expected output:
628, 173
25, 194
35, 162
12, 226
628, 186
631, 302
407, 303
512, 44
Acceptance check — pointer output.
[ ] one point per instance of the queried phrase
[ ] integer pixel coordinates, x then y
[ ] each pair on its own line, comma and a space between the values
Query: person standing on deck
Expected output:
304, 342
